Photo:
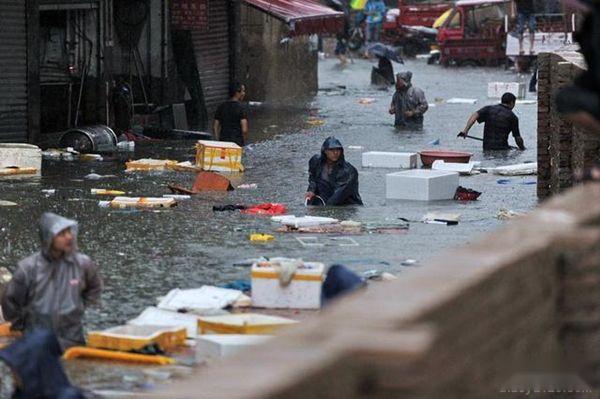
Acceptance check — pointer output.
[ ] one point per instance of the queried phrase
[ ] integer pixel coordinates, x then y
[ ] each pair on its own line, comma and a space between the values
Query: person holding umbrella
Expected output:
383, 74
499, 121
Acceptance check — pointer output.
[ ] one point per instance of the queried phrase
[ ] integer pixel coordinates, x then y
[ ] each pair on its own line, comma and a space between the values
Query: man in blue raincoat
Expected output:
332, 180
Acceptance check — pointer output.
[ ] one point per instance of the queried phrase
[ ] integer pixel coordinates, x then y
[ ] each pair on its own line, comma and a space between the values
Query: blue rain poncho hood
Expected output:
332, 143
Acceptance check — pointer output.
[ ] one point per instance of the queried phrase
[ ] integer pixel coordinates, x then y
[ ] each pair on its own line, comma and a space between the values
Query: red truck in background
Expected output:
421, 12
409, 25
482, 32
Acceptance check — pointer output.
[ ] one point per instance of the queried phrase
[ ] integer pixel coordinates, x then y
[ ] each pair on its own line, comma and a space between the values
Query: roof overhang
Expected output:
304, 17
479, 2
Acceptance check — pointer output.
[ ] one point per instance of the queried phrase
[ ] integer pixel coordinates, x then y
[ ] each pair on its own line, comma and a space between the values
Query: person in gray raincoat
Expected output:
51, 288
408, 104
332, 181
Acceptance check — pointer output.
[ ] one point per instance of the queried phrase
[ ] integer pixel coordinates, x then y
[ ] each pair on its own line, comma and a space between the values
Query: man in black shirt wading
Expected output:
231, 120
500, 121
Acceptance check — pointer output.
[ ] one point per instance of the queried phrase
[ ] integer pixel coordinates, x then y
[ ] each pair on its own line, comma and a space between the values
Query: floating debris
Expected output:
261, 237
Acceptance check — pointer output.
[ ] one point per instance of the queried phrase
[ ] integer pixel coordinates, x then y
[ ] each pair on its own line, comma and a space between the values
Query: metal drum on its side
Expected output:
95, 138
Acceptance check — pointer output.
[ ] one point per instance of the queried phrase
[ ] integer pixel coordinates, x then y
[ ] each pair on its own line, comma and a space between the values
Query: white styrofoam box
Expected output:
521, 169
378, 159
160, 317
214, 346
497, 89
200, 299
20, 155
303, 292
456, 100
421, 185
465, 168
303, 221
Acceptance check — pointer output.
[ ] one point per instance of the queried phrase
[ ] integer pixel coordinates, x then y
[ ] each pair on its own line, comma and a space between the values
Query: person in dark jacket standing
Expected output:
231, 118
408, 103
51, 288
499, 121
332, 180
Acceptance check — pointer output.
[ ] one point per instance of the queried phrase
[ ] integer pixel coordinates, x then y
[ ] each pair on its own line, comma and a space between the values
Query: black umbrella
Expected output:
336, 5
384, 51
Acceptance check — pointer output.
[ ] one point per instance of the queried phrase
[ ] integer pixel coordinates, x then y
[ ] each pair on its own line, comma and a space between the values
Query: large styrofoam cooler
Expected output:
379, 159
214, 346
421, 185
497, 89
21, 156
303, 292
219, 156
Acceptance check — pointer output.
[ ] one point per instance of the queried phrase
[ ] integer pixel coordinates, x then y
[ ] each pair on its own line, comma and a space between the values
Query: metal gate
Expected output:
13, 71
212, 53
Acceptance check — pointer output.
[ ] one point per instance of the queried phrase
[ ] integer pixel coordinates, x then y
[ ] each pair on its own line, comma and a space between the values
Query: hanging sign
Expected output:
189, 14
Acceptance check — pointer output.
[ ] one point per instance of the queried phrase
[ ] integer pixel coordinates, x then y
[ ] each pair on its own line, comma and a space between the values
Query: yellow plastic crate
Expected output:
81, 352
219, 156
142, 202
130, 337
149, 164
243, 323
17, 171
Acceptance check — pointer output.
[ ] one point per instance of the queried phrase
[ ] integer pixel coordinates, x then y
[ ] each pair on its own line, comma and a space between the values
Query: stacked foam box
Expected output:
219, 156
378, 159
421, 185
17, 158
497, 89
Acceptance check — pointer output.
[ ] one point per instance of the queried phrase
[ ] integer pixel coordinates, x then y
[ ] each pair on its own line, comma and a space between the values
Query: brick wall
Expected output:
472, 323
562, 148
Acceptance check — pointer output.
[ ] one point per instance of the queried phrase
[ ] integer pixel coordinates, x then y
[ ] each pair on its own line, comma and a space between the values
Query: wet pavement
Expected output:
144, 254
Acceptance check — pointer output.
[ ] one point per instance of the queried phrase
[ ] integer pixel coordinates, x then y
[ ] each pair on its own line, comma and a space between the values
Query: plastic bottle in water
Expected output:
126, 146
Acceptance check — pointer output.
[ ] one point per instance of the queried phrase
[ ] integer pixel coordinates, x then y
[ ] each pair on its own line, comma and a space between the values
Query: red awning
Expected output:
304, 17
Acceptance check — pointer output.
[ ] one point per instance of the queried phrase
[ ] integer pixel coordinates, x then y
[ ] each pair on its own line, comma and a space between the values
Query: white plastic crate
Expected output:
421, 185
378, 159
462, 168
303, 292
497, 89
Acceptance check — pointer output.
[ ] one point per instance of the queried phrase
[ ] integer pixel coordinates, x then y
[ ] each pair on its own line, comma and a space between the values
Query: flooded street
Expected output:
144, 254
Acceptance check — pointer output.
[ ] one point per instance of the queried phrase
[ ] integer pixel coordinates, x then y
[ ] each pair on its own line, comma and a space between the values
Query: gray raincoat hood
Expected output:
406, 77
51, 225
